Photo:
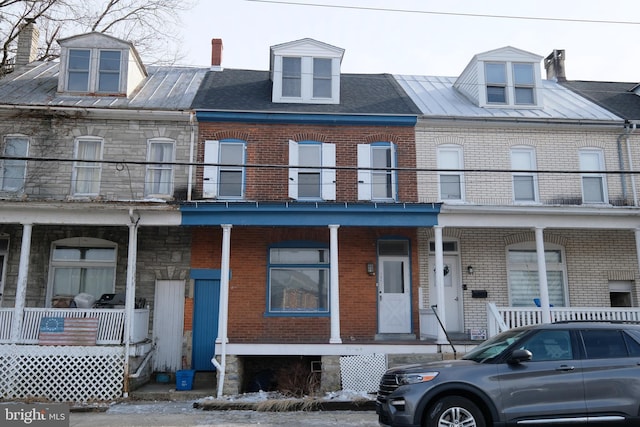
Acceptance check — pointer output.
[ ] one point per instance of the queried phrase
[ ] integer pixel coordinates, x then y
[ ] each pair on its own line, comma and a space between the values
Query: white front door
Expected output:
394, 295
452, 292
168, 323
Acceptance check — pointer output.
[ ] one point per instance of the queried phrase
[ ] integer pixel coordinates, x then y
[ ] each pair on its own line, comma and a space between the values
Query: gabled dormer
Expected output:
306, 71
98, 64
503, 78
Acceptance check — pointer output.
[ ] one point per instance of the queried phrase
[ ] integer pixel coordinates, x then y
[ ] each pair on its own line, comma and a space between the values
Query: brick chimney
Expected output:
554, 64
28, 42
216, 54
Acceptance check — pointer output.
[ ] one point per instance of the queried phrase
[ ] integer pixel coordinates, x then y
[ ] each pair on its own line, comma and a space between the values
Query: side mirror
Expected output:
519, 356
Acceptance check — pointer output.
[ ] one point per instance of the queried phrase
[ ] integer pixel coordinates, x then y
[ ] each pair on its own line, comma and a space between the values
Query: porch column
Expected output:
223, 315
335, 286
439, 275
21, 287
130, 294
542, 276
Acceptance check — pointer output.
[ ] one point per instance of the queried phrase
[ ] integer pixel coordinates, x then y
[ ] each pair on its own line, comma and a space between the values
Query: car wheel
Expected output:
454, 411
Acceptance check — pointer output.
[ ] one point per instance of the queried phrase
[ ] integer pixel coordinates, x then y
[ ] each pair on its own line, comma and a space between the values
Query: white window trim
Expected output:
365, 181
460, 153
532, 165
2, 162
94, 70
602, 176
327, 171
169, 194
510, 86
306, 89
211, 174
77, 166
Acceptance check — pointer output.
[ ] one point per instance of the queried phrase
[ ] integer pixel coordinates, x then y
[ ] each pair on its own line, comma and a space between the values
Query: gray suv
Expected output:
567, 373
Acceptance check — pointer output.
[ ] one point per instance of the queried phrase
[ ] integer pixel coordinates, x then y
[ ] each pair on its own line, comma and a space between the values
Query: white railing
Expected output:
110, 323
502, 318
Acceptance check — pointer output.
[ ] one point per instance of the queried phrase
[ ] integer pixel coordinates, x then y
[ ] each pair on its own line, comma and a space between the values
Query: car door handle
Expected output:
565, 368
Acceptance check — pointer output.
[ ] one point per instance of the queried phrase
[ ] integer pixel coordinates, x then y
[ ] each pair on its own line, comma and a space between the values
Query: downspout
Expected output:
628, 132
191, 151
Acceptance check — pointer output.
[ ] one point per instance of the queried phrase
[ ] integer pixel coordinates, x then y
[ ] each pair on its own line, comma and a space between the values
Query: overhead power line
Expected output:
428, 12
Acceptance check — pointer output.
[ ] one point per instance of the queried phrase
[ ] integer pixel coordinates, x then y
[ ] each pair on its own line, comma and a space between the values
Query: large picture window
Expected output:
524, 285
83, 266
298, 280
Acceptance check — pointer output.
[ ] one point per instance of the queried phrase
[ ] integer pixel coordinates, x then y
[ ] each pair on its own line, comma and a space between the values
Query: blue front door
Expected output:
206, 305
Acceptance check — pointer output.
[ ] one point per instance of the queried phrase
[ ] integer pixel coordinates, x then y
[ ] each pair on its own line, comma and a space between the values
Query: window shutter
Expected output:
293, 172
394, 174
328, 178
364, 173
210, 173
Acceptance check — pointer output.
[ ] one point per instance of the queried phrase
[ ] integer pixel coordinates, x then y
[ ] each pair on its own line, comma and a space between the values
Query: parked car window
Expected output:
632, 344
601, 344
549, 345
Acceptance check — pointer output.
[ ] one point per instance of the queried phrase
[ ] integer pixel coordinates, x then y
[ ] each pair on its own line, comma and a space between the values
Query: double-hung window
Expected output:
14, 171
298, 280
87, 167
377, 175
322, 78
94, 70
450, 175
109, 71
291, 77
83, 266
522, 261
525, 182
496, 78
306, 79
159, 176
223, 174
594, 189
78, 70
312, 173
523, 83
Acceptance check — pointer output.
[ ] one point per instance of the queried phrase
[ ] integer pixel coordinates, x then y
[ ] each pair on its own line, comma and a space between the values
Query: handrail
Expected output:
455, 353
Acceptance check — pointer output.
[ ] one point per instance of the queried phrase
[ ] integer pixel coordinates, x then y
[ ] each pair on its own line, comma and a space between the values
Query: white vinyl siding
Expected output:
377, 179
594, 189
86, 175
317, 179
14, 172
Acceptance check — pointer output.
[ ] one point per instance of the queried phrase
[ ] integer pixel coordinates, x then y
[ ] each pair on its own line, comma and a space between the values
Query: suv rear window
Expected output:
603, 344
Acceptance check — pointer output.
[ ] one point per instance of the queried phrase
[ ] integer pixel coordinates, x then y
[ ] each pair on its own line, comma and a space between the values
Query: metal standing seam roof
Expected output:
436, 97
165, 88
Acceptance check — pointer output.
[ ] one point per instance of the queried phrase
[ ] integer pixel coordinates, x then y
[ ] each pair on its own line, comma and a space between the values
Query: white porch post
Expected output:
542, 276
439, 275
223, 315
21, 287
335, 286
130, 295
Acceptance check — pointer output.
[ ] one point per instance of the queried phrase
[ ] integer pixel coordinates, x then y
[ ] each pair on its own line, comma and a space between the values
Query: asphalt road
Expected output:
169, 414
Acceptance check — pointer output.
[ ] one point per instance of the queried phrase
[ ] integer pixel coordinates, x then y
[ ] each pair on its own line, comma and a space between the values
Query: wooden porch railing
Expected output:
502, 318
110, 323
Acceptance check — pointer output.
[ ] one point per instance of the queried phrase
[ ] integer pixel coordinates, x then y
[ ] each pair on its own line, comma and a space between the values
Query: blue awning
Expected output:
311, 214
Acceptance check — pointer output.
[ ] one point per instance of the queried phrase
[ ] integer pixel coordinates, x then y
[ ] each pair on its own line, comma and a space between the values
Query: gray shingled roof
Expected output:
437, 98
616, 97
166, 88
250, 91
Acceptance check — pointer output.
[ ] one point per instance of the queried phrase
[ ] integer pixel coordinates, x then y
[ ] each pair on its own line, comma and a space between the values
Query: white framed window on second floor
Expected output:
594, 185
522, 262
87, 167
298, 280
510, 83
14, 171
312, 174
450, 183
525, 181
159, 176
224, 176
377, 176
103, 75
82, 265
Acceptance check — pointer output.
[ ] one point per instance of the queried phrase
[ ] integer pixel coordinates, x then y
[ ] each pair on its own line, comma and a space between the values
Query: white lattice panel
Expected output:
362, 373
61, 373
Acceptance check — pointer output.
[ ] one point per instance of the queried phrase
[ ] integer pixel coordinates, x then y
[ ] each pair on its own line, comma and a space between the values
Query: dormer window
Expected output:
88, 75
499, 91
306, 71
496, 78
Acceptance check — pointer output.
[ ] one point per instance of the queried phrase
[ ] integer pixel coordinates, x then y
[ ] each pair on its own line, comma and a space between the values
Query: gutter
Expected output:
112, 113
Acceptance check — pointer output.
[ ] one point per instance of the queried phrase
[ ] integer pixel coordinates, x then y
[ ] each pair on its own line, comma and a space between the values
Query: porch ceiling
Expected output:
311, 214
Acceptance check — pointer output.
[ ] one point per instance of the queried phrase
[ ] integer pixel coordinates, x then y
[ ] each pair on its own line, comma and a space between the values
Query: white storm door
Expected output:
452, 292
394, 295
168, 323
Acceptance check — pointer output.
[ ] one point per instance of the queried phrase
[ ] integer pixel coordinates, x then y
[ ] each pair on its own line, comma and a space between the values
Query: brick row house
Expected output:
537, 221
90, 147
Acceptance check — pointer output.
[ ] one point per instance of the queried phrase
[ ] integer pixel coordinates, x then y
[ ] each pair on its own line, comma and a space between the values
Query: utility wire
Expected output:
426, 12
